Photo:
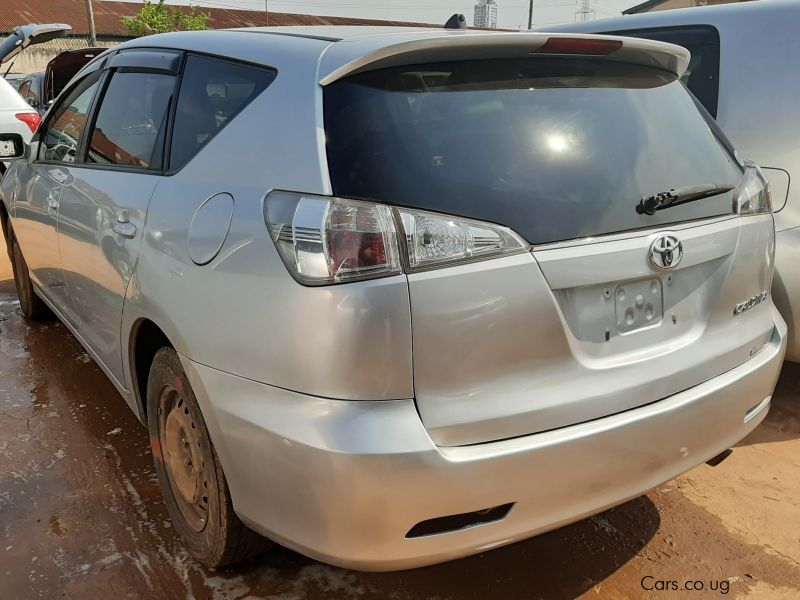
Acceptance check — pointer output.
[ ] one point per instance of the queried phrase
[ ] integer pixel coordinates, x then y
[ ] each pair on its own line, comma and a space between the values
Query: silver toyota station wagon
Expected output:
393, 296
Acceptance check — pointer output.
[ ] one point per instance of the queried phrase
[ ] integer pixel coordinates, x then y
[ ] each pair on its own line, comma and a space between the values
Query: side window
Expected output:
132, 120
28, 93
702, 76
62, 133
212, 92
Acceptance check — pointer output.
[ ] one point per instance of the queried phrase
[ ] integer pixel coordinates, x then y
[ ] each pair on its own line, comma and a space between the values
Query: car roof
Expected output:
337, 33
338, 51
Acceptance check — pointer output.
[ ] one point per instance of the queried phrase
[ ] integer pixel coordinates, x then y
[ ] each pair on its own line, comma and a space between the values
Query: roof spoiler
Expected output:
480, 45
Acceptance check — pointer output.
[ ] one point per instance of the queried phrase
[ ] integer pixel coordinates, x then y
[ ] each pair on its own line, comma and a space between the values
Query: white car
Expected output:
17, 117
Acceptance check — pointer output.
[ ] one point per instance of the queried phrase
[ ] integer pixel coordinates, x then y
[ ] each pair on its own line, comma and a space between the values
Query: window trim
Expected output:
165, 157
105, 78
104, 66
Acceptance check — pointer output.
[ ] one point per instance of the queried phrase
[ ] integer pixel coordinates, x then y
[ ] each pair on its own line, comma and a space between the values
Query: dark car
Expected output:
40, 89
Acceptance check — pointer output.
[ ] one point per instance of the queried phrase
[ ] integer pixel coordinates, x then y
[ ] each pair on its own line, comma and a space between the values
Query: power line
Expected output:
585, 12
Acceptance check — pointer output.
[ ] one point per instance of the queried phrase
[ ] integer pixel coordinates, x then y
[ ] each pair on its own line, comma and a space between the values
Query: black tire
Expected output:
197, 498
33, 308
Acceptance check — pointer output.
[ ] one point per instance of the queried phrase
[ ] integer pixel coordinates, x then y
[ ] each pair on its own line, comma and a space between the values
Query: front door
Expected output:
36, 209
103, 205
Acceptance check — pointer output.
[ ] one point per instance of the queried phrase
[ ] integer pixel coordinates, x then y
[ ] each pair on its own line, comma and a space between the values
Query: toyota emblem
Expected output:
666, 252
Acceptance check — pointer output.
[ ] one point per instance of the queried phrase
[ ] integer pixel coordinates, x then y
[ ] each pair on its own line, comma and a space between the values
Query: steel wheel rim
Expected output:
185, 464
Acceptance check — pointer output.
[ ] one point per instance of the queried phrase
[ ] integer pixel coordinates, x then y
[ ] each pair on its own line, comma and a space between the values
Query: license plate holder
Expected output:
7, 148
638, 304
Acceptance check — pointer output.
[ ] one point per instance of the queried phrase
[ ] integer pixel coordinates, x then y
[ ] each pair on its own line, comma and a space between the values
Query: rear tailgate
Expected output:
560, 149
513, 347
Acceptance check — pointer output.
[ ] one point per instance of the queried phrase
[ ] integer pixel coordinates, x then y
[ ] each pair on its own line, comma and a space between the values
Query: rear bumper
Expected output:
344, 481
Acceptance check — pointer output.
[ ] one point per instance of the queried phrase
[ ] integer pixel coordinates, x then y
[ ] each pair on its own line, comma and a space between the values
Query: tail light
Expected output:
324, 240
32, 120
752, 196
433, 239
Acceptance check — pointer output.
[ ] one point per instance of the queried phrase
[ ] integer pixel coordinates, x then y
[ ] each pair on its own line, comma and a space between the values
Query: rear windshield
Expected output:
555, 148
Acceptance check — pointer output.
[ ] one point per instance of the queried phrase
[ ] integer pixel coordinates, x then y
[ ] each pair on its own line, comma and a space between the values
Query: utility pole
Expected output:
530, 14
266, 9
90, 18
586, 12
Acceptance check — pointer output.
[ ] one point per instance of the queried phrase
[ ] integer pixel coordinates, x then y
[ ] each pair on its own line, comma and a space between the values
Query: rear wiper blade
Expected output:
648, 205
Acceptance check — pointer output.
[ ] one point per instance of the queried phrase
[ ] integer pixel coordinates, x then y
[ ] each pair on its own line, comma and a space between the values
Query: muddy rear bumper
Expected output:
345, 481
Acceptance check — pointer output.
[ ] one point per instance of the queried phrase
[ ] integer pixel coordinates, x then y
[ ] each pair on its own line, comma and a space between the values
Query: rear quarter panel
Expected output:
242, 312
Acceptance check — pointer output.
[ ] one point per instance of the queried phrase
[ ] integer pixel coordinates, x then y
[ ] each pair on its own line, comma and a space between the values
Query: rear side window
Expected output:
556, 148
132, 120
702, 76
212, 92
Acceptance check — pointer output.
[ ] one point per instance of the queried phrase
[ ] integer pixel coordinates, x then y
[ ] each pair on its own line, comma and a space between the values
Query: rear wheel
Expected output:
191, 478
32, 306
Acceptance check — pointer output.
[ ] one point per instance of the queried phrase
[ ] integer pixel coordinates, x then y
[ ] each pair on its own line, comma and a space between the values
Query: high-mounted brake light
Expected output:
32, 120
324, 240
589, 46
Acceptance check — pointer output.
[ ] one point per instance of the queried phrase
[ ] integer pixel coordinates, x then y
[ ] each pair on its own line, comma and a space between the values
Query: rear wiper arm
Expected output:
648, 205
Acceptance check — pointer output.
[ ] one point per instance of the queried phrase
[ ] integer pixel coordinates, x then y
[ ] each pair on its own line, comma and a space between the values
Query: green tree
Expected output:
157, 17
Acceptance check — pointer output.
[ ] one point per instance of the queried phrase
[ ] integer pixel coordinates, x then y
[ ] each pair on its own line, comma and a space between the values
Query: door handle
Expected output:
127, 230
122, 226
52, 203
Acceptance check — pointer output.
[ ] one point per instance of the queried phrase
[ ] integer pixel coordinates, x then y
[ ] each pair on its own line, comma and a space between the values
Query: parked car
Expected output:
30, 86
394, 296
40, 89
750, 88
17, 117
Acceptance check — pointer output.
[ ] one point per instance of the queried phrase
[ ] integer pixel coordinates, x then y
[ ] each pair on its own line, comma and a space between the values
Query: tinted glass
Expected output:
702, 76
63, 131
212, 92
132, 120
554, 148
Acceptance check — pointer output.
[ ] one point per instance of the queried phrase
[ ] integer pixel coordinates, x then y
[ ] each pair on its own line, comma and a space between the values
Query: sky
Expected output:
510, 13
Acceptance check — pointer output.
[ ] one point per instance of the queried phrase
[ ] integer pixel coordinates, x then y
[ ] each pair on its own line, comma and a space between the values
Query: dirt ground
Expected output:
81, 514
